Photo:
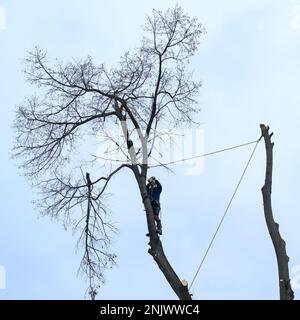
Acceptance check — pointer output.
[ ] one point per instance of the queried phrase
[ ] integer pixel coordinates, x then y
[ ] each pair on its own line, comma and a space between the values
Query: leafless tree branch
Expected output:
151, 87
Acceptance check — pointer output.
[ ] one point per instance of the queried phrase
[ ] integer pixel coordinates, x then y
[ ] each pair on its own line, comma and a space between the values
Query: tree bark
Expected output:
156, 249
286, 292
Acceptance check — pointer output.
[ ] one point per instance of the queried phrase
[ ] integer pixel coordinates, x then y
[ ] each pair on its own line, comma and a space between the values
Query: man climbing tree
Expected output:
149, 89
154, 189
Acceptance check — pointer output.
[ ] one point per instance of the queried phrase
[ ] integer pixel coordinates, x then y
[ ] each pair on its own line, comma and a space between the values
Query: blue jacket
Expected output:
154, 193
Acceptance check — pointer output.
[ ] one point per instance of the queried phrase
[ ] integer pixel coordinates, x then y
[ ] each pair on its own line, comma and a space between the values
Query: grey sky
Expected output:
249, 64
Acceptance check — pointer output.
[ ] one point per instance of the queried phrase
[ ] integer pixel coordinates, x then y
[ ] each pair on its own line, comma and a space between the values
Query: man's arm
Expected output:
148, 187
159, 186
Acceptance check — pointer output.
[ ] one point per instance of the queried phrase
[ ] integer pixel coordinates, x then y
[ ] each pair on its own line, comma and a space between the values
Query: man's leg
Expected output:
158, 224
156, 210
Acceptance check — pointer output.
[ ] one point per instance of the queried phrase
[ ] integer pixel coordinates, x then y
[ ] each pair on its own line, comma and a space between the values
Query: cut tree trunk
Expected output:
285, 289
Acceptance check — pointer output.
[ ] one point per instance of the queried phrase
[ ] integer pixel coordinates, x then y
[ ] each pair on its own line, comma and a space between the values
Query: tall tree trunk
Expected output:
156, 249
286, 292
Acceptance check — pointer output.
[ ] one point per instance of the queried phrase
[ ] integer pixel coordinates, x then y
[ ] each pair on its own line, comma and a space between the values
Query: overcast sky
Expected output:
249, 65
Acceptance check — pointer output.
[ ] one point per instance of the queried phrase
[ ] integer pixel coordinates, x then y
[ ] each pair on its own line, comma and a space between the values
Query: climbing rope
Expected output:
181, 160
226, 210
203, 155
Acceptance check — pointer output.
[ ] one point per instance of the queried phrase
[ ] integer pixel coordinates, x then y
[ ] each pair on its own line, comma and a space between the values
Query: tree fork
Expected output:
285, 289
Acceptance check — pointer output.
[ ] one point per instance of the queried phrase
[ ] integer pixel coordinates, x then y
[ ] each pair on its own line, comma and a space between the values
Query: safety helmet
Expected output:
151, 179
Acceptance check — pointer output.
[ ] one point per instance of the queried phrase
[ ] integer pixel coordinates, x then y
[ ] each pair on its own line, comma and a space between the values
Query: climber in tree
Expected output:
154, 190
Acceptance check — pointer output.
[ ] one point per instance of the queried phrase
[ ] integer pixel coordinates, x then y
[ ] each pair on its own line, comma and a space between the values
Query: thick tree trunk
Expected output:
156, 249
286, 292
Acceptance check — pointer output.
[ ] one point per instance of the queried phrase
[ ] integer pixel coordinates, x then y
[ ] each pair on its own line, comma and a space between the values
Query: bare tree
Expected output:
150, 88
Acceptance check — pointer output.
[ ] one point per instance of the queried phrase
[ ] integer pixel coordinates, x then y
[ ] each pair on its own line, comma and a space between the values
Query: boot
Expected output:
158, 227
